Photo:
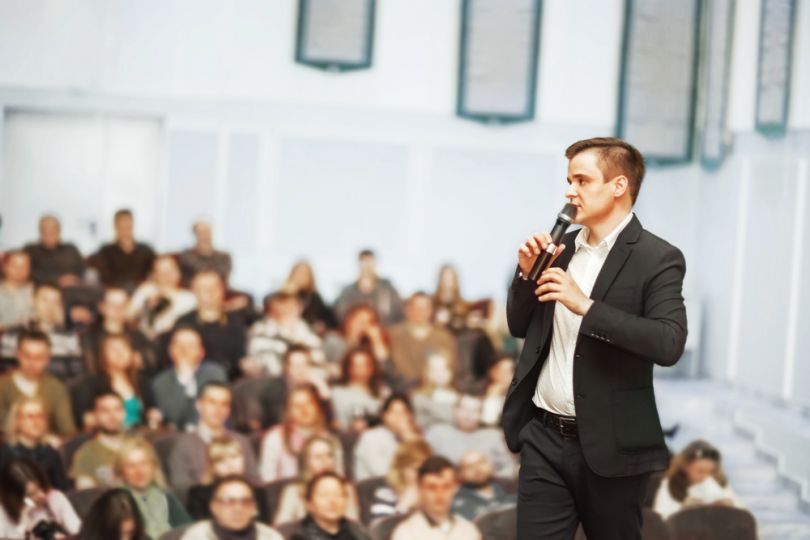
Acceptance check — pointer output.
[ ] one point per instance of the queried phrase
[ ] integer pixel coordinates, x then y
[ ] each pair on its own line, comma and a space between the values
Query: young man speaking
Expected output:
581, 408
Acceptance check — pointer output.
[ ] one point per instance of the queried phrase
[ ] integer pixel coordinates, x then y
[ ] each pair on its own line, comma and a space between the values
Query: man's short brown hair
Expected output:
616, 157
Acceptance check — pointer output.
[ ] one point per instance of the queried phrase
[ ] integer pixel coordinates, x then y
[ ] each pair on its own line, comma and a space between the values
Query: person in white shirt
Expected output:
694, 478
158, 303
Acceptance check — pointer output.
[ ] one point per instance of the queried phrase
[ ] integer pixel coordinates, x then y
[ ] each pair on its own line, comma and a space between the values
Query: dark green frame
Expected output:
714, 163
334, 65
778, 129
497, 117
651, 159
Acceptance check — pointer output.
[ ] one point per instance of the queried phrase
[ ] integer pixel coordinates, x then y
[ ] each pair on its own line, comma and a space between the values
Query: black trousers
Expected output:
557, 490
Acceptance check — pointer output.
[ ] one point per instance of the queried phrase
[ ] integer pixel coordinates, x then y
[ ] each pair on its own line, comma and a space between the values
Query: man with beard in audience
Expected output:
93, 463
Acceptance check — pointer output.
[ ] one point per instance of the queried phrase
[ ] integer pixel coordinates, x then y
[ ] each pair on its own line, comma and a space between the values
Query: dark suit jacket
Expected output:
638, 319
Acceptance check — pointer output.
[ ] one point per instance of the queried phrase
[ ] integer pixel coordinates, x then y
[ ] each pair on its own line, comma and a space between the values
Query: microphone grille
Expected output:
568, 213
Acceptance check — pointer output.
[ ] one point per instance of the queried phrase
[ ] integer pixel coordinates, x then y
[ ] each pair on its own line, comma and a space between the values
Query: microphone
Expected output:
564, 219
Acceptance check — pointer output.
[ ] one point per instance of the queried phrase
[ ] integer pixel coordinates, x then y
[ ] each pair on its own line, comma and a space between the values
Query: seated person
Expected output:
282, 445
433, 401
479, 492
357, 396
114, 515
121, 373
223, 332
94, 461
435, 520
372, 290
26, 436
376, 446
413, 340
282, 326
327, 499
157, 303
175, 388
361, 327
187, 462
233, 514
466, 432
319, 455
53, 261
49, 317
226, 457
499, 380
28, 499
138, 468
124, 262
31, 379
202, 256
400, 492
16, 291
301, 283
694, 478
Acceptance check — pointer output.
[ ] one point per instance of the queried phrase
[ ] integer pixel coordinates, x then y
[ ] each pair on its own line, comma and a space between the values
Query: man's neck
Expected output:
437, 518
598, 231
213, 431
209, 314
26, 378
204, 248
28, 442
126, 244
14, 284
329, 525
110, 440
113, 327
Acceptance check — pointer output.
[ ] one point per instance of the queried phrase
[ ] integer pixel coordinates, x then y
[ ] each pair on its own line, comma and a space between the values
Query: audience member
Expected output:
449, 306
223, 332
479, 492
400, 492
138, 468
94, 461
226, 457
376, 447
434, 520
233, 514
327, 503
694, 478
157, 303
26, 436
114, 516
282, 326
53, 261
124, 262
187, 463
202, 257
499, 381
306, 415
433, 401
29, 506
372, 290
175, 389
319, 455
361, 328
31, 379
16, 291
356, 397
466, 432
414, 339
301, 283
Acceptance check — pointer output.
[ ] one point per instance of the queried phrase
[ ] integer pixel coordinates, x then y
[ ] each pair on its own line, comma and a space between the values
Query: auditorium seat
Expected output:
83, 499
712, 523
498, 524
365, 495
652, 527
384, 528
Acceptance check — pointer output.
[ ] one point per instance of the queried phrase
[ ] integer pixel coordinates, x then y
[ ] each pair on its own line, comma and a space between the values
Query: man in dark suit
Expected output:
581, 408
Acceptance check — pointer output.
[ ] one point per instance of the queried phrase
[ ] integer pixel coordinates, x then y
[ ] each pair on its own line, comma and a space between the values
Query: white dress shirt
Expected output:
555, 385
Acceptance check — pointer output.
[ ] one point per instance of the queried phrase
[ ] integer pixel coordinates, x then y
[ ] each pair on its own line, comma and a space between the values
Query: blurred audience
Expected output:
376, 447
357, 394
124, 262
361, 327
327, 497
94, 461
399, 494
372, 290
114, 516
53, 261
16, 291
449, 306
301, 283
479, 492
434, 399
499, 380
157, 303
202, 256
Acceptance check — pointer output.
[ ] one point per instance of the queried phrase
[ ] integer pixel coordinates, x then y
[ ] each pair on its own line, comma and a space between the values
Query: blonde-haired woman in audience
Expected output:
306, 415
449, 307
225, 458
301, 282
138, 467
400, 494
694, 478
157, 303
434, 400
320, 454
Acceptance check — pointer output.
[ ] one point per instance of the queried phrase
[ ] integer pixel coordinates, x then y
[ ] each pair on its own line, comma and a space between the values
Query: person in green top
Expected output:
93, 462
139, 470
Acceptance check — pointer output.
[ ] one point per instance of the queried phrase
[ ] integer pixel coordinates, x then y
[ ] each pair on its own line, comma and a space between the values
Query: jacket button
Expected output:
580, 395
514, 382
577, 355
537, 350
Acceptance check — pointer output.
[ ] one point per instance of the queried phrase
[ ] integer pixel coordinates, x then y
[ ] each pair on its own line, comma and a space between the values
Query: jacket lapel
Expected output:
615, 259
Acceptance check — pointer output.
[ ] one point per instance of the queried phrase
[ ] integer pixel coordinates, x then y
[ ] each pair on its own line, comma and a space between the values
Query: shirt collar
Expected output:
608, 241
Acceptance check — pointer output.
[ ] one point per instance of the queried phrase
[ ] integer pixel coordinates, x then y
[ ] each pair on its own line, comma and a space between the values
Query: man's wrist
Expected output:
586, 306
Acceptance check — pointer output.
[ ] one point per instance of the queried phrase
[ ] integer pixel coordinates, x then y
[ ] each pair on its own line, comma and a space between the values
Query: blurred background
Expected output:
432, 132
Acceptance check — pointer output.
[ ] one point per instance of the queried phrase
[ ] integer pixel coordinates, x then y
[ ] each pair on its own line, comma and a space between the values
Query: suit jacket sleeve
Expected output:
520, 305
659, 335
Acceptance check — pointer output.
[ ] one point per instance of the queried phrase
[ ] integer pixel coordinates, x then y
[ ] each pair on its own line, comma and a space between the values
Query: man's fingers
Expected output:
525, 249
559, 251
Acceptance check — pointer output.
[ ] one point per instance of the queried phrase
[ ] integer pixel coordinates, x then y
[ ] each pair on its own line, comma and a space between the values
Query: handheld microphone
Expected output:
564, 219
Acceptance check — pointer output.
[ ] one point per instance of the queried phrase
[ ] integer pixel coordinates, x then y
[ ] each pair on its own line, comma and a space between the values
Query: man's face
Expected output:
137, 469
467, 414
214, 406
593, 196
367, 266
285, 309
419, 310
33, 357
303, 409
233, 506
110, 415
202, 232
186, 347
436, 492
398, 417
209, 290
48, 304
124, 228
31, 421
474, 468
329, 501
298, 364
320, 458
167, 273
49, 233
114, 305
17, 268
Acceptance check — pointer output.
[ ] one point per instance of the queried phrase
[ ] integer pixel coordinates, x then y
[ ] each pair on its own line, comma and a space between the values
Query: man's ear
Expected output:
620, 186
